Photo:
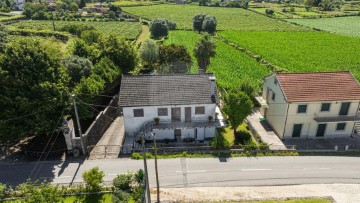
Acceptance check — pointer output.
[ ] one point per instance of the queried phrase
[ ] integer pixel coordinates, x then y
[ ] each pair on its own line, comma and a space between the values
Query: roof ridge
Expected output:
178, 74
288, 73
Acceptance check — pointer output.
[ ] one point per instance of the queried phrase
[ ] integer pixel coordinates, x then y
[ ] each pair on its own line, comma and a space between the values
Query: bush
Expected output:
241, 137
249, 145
219, 142
159, 28
93, 178
120, 196
292, 9
269, 11
123, 181
136, 156
209, 24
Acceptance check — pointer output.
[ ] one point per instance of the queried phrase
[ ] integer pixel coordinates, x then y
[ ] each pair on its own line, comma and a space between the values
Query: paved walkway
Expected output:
352, 143
341, 193
109, 145
264, 131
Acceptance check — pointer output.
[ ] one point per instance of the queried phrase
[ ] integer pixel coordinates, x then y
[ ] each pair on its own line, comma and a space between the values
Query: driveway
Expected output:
109, 145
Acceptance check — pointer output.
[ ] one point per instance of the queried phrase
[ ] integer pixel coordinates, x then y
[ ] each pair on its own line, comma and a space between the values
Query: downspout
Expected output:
357, 110
287, 111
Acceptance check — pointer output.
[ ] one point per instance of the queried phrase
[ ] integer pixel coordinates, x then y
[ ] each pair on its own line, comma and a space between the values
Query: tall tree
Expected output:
198, 22
237, 106
33, 84
77, 68
204, 50
174, 59
118, 50
209, 24
149, 54
82, 4
159, 28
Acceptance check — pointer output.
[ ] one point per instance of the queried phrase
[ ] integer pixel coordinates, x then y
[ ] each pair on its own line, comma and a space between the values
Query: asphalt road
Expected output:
210, 172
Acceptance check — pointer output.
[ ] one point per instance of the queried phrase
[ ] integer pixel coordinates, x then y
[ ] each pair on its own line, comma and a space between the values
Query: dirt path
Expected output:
145, 33
341, 193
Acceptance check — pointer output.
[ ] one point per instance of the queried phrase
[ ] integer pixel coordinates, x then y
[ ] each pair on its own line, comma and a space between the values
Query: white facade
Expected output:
134, 124
285, 118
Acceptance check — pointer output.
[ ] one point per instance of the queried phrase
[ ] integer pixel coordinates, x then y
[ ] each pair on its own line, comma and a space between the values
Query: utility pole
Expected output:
147, 187
156, 170
79, 127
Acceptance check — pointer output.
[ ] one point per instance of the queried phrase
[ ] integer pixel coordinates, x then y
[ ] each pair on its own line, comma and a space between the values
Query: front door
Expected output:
344, 108
321, 130
297, 130
188, 114
177, 134
176, 114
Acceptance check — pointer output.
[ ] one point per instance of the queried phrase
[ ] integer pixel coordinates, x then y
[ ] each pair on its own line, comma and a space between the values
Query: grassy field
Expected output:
302, 51
128, 29
228, 18
346, 25
229, 65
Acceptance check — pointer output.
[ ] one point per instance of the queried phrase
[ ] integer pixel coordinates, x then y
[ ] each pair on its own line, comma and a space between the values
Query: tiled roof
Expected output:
176, 89
320, 86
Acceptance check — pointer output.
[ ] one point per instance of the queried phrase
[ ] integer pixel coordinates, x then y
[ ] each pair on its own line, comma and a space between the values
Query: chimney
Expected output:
212, 85
201, 71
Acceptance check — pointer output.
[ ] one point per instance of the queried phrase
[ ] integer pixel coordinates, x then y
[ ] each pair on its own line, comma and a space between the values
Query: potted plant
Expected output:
157, 121
210, 118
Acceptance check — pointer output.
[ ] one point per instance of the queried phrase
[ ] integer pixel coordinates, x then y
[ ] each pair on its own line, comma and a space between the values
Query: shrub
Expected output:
136, 156
159, 28
120, 196
269, 11
219, 142
209, 24
242, 136
2, 190
292, 9
93, 178
123, 181
249, 145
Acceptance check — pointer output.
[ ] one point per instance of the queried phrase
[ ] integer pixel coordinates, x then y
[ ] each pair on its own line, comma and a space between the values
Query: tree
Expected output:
237, 106
76, 29
93, 178
90, 36
329, 5
82, 4
38, 193
204, 2
174, 59
118, 50
77, 68
159, 28
149, 53
3, 38
198, 22
80, 48
73, 6
8, 4
36, 81
209, 24
204, 50
107, 70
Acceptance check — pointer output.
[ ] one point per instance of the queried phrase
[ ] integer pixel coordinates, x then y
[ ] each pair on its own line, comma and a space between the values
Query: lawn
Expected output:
228, 18
128, 29
302, 51
345, 25
229, 65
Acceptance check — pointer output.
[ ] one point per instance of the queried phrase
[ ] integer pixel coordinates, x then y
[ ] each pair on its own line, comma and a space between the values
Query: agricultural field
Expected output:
346, 25
302, 51
128, 29
229, 65
125, 3
227, 18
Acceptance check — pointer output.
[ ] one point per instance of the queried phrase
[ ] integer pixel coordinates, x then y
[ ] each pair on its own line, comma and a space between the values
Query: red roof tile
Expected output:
320, 86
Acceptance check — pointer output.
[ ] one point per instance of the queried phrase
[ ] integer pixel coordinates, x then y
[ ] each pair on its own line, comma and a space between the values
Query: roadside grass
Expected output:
104, 198
130, 30
301, 51
227, 18
229, 65
346, 25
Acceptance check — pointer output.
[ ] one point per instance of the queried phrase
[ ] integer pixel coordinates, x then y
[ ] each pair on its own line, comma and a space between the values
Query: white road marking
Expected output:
64, 176
256, 169
195, 171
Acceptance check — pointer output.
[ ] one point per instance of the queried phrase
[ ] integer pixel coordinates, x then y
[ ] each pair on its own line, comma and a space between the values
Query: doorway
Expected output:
176, 114
321, 130
297, 130
187, 114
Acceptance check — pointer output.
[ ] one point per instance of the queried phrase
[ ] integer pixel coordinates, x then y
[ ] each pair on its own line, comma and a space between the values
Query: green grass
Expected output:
105, 198
125, 3
128, 29
345, 25
229, 65
227, 18
302, 51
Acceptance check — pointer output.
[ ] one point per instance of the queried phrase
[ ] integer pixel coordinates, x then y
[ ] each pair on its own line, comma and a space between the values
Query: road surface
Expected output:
209, 172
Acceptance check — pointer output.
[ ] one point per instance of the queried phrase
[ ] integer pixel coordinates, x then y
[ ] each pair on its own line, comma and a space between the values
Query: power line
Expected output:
47, 144
99, 95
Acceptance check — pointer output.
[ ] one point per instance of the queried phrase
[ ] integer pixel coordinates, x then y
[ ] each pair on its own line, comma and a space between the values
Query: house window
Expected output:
138, 112
341, 126
162, 111
275, 81
273, 96
302, 108
200, 110
325, 107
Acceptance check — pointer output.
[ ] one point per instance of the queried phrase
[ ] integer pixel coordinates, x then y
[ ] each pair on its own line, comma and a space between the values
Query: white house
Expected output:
184, 105
18, 4
312, 105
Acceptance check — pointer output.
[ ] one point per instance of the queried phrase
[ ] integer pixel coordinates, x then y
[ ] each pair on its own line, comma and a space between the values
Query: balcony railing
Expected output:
323, 118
